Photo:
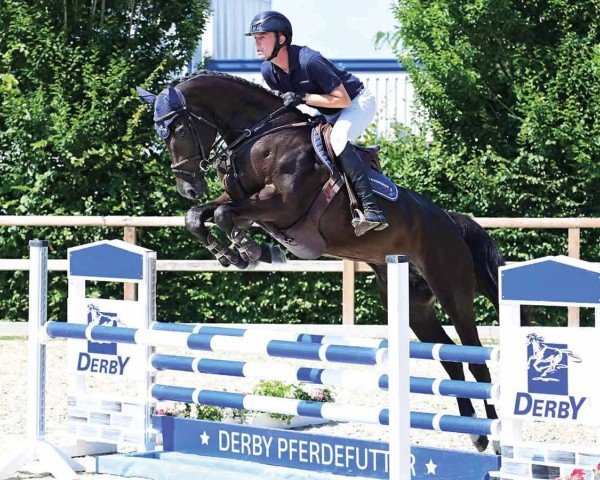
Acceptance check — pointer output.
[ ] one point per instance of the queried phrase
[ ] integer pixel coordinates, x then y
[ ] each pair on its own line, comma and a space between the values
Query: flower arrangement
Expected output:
273, 388
201, 412
579, 474
276, 388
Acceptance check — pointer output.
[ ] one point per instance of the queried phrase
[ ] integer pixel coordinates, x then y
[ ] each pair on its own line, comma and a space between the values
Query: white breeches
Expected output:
352, 121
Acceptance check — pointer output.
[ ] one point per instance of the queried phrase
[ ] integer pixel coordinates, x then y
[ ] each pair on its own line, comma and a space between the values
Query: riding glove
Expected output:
292, 99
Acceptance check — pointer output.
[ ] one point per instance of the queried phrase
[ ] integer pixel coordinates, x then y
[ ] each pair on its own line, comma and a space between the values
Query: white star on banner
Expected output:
431, 467
204, 437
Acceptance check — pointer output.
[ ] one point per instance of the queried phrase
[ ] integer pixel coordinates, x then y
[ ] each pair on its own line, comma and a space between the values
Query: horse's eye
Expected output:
182, 132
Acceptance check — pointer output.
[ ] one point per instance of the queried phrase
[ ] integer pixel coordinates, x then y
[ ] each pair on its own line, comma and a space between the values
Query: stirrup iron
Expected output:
361, 224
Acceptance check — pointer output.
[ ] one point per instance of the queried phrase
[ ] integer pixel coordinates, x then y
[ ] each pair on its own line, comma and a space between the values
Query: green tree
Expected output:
508, 98
510, 91
74, 137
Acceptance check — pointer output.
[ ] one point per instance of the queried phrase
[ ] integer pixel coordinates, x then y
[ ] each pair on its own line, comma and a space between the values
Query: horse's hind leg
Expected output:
427, 328
453, 285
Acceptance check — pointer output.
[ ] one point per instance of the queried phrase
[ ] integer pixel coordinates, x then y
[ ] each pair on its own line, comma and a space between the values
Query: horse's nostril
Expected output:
191, 192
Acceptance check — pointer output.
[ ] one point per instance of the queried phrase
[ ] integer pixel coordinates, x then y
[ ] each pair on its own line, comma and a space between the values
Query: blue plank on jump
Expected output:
290, 349
553, 279
241, 451
110, 259
199, 341
237, 332
450, 353
422, 385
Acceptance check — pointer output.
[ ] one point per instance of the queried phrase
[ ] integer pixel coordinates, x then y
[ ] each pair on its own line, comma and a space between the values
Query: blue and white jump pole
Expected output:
90, 266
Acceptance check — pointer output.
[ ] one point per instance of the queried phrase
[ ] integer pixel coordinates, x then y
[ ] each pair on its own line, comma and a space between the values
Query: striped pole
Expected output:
220, 343
327, 411
261, 403
418, 350
320, 376
453, 353
271, 371
455, 388
252, 333
267, 346
454, 424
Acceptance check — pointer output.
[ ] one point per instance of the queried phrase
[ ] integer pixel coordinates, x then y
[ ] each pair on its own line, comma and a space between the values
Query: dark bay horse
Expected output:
272, 178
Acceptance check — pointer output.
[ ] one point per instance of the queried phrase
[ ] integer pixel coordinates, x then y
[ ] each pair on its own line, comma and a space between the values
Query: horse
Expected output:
545, 359
271, 176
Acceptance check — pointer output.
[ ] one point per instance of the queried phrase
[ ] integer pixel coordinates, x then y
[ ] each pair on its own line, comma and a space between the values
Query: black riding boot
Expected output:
354, 169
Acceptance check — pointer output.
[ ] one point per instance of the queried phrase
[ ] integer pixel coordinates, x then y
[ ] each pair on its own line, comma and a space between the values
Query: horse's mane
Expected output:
227, 76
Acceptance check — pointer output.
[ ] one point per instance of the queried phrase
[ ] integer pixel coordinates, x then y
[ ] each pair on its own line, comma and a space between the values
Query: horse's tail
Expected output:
576, 358
486, 255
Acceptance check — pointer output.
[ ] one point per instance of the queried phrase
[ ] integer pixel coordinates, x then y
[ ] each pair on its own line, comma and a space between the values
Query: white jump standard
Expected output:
117, 340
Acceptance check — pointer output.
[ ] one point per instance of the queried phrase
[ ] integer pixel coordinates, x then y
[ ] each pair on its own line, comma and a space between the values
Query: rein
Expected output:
225, 152
203, 161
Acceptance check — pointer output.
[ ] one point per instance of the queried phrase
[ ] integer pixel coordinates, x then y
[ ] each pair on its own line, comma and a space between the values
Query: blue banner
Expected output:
320, 453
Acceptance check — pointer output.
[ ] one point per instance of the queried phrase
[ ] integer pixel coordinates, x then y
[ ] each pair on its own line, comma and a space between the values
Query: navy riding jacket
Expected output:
310, 72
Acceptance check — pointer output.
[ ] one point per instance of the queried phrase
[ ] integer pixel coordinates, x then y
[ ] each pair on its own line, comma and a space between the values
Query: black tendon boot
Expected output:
354, 169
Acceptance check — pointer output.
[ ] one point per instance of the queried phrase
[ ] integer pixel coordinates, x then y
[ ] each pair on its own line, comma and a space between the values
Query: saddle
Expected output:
304, 238
381, 184
321, 140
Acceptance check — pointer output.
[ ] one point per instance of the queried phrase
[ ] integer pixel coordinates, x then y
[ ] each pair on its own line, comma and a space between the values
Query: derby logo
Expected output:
90, 361
547, 366
548, 374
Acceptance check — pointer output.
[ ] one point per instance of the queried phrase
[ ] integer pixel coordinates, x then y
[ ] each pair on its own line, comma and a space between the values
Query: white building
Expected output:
342, 30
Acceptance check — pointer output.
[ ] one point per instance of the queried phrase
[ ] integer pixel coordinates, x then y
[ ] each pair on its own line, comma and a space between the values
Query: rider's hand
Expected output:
292, 99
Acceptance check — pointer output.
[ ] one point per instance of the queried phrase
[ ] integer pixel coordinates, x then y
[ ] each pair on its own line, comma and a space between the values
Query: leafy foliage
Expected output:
508, 90
74, 137
278, 389
76, 140
509, 93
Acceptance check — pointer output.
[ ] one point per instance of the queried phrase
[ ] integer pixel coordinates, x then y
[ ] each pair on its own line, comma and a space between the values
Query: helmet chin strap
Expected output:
276, 49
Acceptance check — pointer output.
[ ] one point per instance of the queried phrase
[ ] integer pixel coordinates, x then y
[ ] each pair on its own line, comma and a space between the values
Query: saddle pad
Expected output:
317, 142
383, 186
380, 184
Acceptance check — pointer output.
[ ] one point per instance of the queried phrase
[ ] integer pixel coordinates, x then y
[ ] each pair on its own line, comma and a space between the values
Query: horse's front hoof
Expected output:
480, 441
251, 253
277, 254
224, 262
272, 254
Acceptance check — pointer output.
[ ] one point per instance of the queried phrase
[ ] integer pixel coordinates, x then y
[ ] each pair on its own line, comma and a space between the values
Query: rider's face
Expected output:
265, 43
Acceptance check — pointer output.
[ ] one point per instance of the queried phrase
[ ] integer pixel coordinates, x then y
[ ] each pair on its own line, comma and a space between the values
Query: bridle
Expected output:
200, 160
198, 164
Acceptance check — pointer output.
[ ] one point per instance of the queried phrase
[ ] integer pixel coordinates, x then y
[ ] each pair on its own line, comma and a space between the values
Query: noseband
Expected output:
198, 164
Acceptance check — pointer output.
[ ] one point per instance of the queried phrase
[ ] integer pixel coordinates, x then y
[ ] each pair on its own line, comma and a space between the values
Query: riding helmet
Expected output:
271, 21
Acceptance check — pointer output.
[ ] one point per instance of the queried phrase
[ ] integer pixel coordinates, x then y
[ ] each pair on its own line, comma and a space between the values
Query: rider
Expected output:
305, 76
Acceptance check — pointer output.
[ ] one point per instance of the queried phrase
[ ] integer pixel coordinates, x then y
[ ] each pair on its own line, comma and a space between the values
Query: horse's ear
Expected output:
146, 96
174, 99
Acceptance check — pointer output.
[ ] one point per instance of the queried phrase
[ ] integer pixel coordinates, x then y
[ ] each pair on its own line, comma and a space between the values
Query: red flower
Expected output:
577, 474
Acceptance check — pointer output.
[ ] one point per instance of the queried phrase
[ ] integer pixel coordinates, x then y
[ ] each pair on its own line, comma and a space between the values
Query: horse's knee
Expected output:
193, 220
222, 218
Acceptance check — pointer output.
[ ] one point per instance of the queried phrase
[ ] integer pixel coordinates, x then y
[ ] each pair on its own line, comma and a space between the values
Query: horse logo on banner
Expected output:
97, 318
548, 362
